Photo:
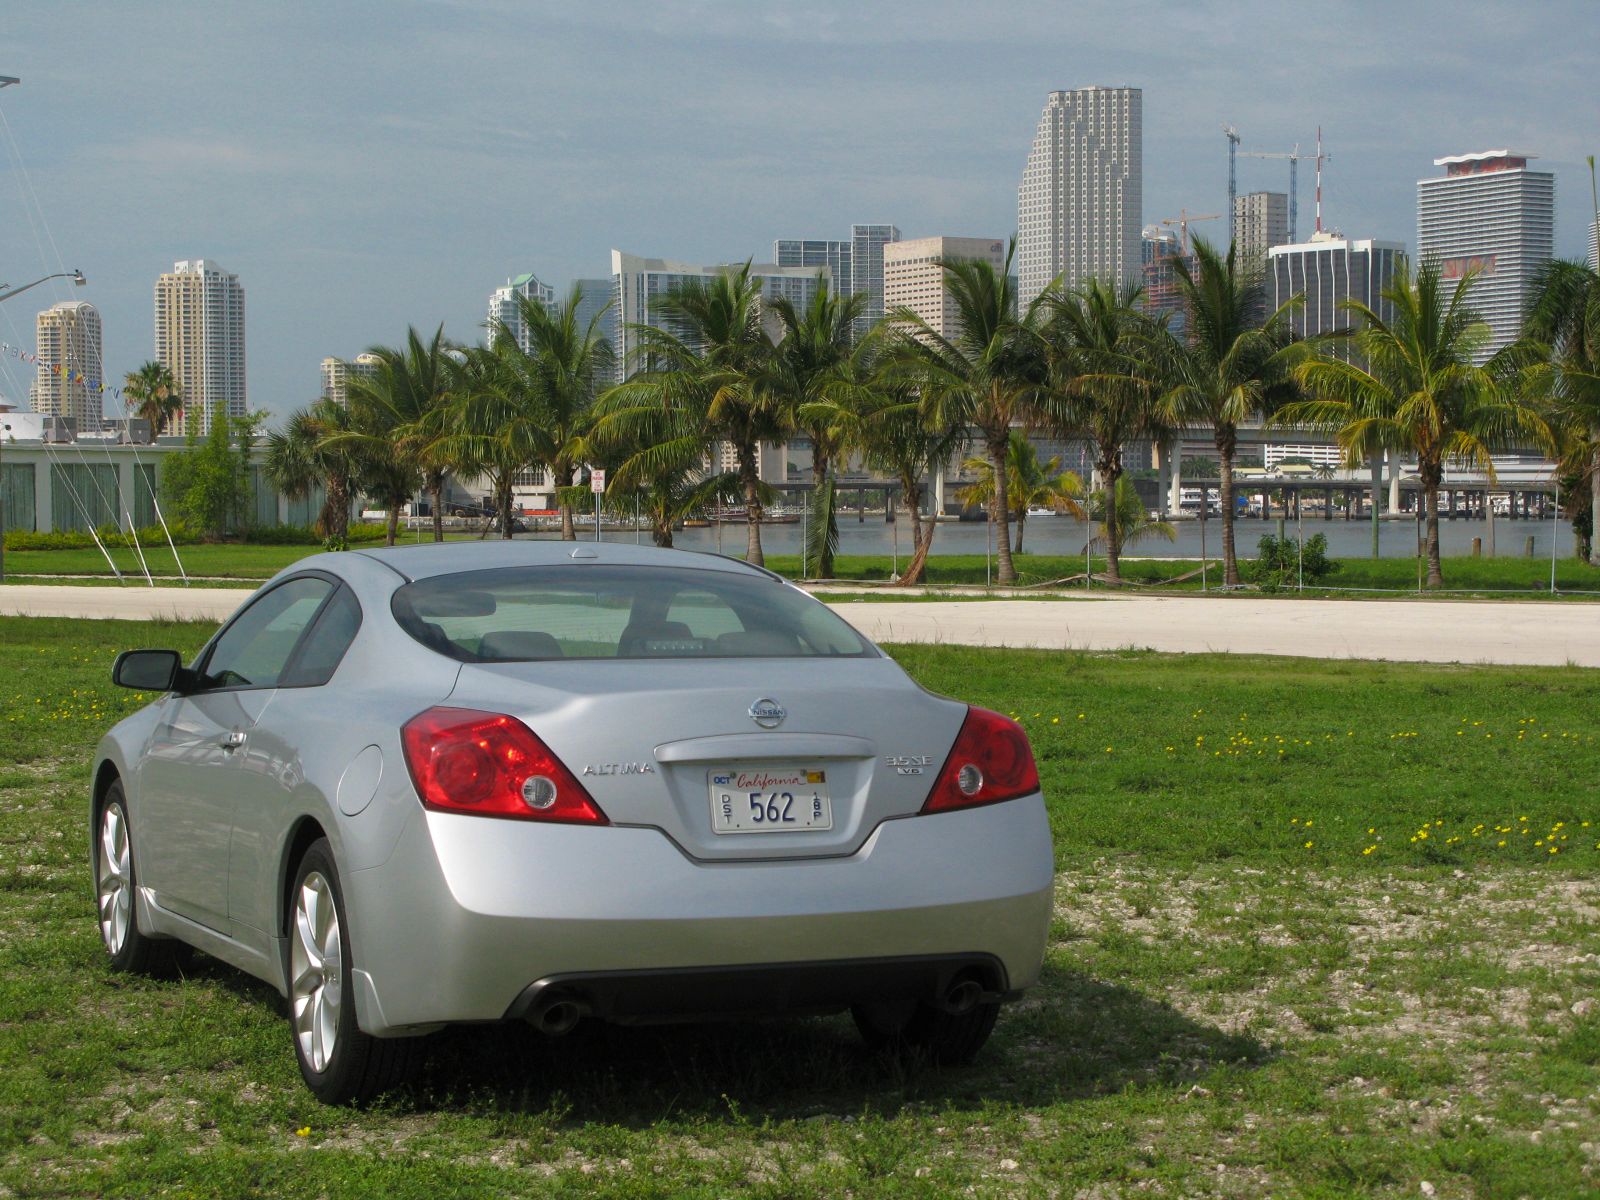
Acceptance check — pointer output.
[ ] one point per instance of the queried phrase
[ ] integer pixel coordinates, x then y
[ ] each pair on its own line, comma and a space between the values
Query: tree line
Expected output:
727, 367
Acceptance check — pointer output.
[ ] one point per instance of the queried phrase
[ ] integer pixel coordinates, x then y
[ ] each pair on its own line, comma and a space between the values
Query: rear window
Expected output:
523, 614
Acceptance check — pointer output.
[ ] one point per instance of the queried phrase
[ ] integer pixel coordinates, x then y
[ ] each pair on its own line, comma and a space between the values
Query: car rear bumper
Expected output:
470, 913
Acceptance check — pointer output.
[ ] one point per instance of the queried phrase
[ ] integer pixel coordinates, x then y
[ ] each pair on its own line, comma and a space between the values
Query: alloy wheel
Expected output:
116, 879
316, 971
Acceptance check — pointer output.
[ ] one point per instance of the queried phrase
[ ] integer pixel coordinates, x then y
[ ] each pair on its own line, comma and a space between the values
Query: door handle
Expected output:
232, 741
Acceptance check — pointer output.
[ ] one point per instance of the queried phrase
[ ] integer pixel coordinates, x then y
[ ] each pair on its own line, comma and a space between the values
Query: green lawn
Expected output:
1291, 957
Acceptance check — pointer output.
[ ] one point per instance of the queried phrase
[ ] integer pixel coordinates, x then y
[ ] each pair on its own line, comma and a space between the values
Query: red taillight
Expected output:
991, 761
491, 765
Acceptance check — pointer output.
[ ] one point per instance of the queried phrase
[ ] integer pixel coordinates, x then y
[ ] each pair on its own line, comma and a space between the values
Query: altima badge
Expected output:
767, 713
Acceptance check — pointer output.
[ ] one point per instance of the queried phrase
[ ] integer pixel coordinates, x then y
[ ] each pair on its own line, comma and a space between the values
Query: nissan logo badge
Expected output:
767, 713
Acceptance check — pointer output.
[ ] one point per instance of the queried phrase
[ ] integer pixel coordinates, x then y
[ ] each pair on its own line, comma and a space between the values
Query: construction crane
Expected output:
1183, 220
1232, 135
1294, 156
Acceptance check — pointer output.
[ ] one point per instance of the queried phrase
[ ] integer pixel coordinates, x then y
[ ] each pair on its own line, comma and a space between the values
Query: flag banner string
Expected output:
98, 386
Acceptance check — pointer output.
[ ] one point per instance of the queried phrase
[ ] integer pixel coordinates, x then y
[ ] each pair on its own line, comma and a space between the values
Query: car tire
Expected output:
340, 1063
116, 885
921, 1029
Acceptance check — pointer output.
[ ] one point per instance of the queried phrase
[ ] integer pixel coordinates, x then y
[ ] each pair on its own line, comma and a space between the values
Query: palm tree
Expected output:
152, 394
708, 377
1229, 366
306, 453
992, 374
1563, 337
1133, 521
393, 410
1029, 484
556, 371
816, 351
1105, 388
490, 426
1420, 389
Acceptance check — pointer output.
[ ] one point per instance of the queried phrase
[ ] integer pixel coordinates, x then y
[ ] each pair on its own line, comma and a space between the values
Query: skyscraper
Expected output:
814, 252
913, 278
200, 339
597, 299
866, 269
1329, 270
337, 374
69, 361
1594, 244
504, 311
1080, 202
853, 266
638, 283
1490, 215
1260, 222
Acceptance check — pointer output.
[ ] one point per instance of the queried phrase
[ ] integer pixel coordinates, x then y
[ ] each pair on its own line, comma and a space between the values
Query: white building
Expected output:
1329, 270
338, 372
200, 339
913, 279
1594, 244
1080, 204
70, 360
504, 310
1492, 216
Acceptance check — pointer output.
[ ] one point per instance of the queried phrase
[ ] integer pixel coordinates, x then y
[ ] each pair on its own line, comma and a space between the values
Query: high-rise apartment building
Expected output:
1329, 270
338, 372
200, 339
1491, 216
1080, 202
1260, 222
504, 311
597, 300
1594, 244
914, 279
69, 340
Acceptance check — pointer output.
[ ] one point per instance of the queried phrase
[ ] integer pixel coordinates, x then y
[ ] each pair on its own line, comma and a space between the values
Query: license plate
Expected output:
778, 799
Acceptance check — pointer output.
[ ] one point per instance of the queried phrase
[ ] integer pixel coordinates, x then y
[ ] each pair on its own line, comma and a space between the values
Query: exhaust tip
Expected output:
964, 996
557, 1017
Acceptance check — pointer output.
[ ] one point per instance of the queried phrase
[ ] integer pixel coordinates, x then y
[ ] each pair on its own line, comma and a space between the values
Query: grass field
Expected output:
1323, 929
1486, 576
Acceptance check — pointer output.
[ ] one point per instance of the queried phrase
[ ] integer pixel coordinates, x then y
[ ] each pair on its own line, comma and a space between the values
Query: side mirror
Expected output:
148, 670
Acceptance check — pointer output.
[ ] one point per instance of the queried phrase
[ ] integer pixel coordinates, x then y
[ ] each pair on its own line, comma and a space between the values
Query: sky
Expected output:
365, 166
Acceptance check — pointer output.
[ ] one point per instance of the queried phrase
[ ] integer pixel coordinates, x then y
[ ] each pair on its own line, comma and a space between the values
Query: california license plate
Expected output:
778, 799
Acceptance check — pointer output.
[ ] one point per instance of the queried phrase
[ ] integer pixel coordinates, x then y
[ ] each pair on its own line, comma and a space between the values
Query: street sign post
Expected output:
597, 485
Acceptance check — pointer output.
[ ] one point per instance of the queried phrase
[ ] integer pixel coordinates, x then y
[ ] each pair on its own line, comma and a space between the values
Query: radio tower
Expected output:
1319, 178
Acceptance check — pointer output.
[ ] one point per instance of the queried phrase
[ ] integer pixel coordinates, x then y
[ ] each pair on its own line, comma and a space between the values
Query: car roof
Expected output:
426, 559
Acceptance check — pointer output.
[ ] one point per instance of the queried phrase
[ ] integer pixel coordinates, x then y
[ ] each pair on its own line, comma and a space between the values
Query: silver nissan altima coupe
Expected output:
546, 782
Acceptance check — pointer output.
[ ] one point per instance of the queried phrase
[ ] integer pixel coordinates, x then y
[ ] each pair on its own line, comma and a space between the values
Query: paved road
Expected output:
1419, 630
122, 603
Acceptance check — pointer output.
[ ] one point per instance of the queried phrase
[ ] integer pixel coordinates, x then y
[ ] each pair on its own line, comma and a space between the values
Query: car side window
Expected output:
323, 648
254, 649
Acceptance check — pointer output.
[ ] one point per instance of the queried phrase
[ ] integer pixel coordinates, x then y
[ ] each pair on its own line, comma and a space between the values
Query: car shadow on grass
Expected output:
1071, 1037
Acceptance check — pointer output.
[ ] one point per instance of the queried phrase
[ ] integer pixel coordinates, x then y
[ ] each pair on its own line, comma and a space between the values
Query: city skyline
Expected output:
357, 193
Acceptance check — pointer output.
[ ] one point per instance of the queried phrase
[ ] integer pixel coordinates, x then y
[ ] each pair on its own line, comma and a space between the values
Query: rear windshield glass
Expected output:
521, 614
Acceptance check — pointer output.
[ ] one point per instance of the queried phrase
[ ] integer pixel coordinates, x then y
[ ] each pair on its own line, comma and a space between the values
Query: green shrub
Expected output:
80, 539
1282, 564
